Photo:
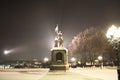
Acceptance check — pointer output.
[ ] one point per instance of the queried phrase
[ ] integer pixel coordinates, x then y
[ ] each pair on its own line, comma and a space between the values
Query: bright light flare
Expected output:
6, 52
73, 59
46, 59
100, 57
117, 33
113, 32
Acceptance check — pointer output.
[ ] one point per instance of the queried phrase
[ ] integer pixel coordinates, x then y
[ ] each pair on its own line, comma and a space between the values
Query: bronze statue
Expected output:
59, 40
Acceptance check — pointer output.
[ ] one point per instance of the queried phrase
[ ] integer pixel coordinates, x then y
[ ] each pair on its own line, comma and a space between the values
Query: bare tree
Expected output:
89, 44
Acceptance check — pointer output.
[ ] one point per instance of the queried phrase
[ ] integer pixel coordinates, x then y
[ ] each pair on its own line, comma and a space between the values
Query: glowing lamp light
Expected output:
46, 59
100, 57
73, 59
6, 52
117, 33
113, 32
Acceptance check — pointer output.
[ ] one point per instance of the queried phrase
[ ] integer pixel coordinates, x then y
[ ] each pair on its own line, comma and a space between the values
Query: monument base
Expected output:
59, 67
59, 57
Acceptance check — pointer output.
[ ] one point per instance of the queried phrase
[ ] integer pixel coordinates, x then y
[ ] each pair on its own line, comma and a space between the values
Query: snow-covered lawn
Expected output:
105, 74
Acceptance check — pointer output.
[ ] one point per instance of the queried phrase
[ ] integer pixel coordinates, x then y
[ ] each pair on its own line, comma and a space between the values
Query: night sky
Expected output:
27, 26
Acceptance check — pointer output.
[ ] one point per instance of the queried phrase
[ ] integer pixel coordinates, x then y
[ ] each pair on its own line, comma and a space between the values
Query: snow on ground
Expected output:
22, 74
37, 74
105, 74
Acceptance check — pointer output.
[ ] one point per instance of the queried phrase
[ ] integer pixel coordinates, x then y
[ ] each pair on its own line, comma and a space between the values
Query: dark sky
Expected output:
27, 26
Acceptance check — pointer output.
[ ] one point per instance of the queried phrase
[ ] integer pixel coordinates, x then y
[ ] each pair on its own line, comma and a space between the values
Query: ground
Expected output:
71, 74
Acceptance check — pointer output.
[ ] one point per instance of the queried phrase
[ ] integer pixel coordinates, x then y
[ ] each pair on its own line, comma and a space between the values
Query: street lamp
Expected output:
45, 64
46, 59
113, 35
73, 59
73, 62
100, 60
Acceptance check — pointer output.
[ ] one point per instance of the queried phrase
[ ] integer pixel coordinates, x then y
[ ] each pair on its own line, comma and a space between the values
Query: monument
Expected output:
59, 54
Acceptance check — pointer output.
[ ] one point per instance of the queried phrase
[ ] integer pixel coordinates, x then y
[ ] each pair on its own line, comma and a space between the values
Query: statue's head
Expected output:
60, 33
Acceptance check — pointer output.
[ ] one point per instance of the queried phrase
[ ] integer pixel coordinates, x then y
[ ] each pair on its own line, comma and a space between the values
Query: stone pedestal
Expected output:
59, 59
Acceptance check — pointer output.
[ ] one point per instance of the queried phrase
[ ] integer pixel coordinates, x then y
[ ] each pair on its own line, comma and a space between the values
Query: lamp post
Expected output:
45, 64
100, 60
113, 35
73, 65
